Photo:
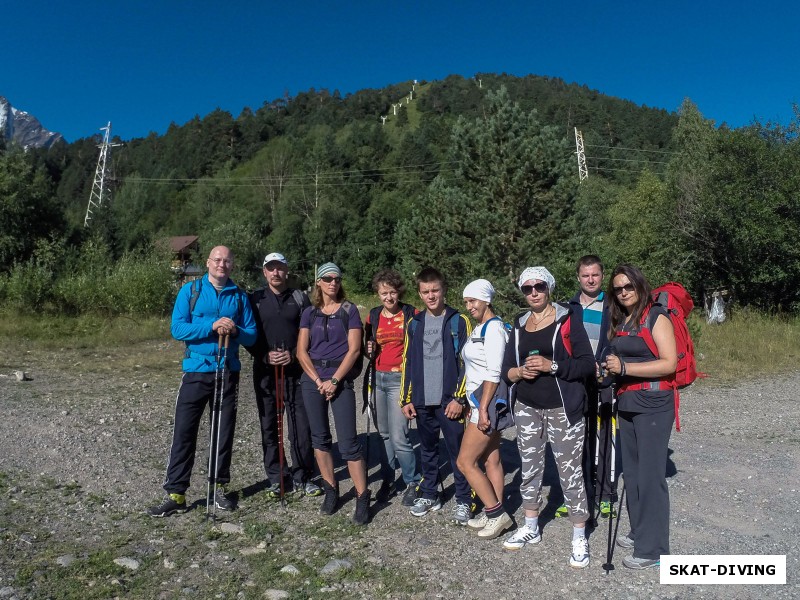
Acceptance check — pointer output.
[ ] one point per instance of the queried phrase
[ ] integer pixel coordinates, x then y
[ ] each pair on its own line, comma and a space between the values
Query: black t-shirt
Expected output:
633, 349
541, 392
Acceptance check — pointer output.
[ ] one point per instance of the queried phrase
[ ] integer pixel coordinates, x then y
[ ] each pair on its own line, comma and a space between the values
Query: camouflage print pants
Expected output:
536, 427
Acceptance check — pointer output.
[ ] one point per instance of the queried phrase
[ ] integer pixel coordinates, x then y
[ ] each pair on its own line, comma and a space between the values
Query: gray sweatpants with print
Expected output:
536, 427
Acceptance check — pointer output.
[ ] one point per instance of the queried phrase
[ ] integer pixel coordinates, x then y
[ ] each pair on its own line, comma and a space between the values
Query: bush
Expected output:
141, 284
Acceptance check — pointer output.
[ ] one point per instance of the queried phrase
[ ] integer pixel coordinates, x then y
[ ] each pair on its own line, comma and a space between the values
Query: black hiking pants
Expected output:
302, 468
197, 391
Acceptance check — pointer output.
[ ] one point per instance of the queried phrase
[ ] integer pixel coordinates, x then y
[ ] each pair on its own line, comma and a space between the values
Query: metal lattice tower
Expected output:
102, 174
583, 171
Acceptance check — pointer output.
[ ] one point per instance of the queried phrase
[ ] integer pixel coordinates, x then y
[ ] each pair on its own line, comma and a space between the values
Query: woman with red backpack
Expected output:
546, 361
645, 390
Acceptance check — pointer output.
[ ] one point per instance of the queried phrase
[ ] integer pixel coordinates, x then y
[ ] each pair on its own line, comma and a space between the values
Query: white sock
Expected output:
532, 523
578, 532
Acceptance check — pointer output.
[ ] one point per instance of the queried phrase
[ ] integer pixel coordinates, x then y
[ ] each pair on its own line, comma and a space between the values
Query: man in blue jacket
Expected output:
433, 391
204, 310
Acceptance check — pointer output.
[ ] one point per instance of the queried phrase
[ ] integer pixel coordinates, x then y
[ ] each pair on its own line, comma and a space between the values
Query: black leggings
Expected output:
343, 406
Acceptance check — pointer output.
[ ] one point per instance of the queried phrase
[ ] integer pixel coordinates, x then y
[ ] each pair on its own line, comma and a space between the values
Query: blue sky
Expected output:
144, 64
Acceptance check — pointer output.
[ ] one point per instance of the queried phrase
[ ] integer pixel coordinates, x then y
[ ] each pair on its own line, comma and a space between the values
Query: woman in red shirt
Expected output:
385, 333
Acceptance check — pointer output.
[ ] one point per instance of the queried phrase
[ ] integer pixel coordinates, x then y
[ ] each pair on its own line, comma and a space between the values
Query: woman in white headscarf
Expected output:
547, 360
483, 359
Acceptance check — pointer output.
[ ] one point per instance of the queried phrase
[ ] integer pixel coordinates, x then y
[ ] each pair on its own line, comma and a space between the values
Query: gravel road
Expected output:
83, 450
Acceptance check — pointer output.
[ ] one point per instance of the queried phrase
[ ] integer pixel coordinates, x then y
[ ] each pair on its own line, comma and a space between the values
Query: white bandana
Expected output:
540, 273
480, 289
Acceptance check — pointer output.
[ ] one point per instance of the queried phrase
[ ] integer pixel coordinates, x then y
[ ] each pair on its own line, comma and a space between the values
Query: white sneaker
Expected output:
494, 527
580, 553
522, 536
478, 522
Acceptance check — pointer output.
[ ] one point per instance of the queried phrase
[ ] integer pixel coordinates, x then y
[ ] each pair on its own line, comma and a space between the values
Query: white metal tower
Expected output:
583, 171
102, 174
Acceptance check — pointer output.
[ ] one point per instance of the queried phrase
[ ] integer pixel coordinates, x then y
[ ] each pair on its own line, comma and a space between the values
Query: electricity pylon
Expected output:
102, 174
583, 171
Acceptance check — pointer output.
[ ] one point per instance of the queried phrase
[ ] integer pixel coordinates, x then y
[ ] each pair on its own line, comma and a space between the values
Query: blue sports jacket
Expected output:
453, 380
196, 331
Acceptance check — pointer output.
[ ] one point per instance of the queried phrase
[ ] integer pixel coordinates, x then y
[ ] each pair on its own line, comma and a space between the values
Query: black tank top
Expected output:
541, 392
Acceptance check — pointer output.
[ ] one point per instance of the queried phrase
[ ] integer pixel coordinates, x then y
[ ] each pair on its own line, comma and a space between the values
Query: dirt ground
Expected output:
84, 446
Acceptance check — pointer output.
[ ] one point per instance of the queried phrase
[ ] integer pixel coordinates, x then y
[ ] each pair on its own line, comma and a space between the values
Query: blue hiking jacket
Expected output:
195, 329
453, 377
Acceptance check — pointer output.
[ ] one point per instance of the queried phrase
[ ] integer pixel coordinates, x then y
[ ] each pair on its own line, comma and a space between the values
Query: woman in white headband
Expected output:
547, 361
483, 360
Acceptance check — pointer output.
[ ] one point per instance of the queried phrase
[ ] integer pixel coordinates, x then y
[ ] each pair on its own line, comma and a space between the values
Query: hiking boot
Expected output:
522, 537
173, 503
496, 526
625, 541
311, 489
462, 513
331, 498
410, 495
479, 522
579, 558
562, 511
606, 510
274, 490
386, 491
422, 506
640, 563
361, 515
222, 500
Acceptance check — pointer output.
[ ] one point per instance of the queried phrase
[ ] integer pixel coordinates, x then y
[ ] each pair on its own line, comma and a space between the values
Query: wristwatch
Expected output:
334, 381
553, 368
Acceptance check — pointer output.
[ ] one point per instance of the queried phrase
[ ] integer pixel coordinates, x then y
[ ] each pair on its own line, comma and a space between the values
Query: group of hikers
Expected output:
558, 372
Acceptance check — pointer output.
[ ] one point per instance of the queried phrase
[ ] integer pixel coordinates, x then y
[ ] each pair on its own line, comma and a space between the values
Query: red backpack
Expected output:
678, 303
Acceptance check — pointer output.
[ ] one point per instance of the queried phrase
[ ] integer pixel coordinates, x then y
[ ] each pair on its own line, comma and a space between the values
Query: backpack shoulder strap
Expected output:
344, 314
196, 287
485, 325
299, 298
454, 330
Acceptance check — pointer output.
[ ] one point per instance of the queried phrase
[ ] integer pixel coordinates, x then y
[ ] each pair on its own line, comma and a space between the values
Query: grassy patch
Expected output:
49, 332
747, 346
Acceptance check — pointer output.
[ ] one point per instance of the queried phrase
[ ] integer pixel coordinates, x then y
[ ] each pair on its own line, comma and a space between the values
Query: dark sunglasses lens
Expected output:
628, 287
539, 287
328, 279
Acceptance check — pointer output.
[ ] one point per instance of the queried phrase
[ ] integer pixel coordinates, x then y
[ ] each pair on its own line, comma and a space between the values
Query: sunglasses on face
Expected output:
628, 287
540, 288
329, 279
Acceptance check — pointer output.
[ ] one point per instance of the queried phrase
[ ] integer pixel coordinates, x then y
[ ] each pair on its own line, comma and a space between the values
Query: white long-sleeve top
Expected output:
483, 356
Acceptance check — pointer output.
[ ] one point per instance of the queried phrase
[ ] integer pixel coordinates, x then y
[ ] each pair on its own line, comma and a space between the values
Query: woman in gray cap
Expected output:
547, 360
329, 349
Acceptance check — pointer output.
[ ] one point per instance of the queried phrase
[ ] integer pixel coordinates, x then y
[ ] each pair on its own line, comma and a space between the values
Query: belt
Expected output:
324, 363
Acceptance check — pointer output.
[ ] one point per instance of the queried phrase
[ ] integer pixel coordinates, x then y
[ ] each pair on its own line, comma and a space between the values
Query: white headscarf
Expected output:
540, 273
480, 289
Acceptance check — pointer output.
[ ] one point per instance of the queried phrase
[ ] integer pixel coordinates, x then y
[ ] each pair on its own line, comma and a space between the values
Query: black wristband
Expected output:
621, 369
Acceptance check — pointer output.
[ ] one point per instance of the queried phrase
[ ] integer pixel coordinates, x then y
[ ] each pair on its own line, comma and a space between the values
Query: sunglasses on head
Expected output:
628, 287
540, 287
330, 278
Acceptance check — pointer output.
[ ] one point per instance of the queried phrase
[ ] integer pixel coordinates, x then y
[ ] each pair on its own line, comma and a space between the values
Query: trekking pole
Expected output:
280, 391
213, 424
612, 434
370, 405
595, 472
